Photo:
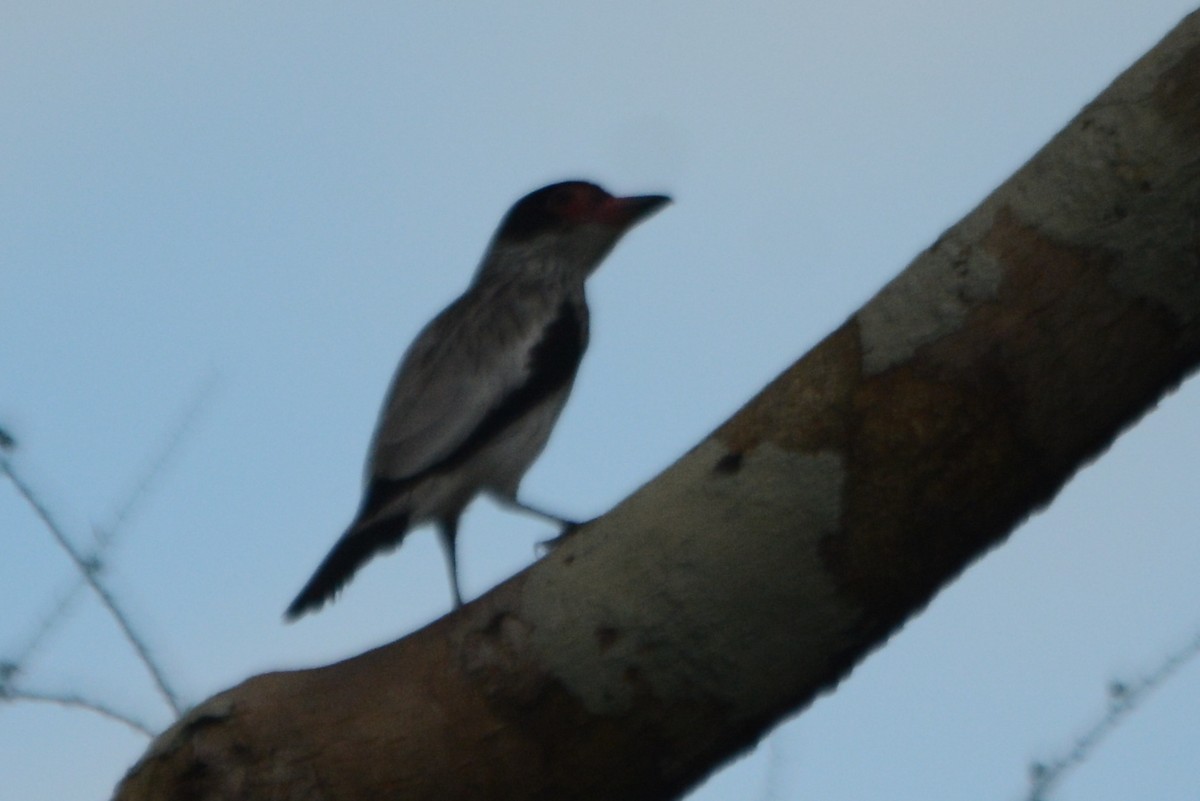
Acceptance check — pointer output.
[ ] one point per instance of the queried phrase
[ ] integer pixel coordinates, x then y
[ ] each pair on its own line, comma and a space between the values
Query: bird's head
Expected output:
564, 230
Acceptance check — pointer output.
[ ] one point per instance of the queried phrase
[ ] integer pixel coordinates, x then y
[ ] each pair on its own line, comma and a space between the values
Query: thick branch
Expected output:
753, 573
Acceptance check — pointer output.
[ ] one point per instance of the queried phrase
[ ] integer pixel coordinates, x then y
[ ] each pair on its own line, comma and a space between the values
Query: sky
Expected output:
221, 223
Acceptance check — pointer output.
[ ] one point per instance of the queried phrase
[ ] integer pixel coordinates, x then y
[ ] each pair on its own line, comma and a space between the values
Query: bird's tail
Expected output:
353, 550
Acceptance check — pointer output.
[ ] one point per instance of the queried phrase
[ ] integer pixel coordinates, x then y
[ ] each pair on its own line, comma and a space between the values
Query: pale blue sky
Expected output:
272, 199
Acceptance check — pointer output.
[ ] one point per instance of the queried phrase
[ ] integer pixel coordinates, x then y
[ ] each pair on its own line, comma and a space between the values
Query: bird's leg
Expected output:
546, 546
512, 503
448, 531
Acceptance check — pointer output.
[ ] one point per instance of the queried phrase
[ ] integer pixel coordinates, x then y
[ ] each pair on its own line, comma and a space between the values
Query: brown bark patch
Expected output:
1177, 95
950, 450
804, 409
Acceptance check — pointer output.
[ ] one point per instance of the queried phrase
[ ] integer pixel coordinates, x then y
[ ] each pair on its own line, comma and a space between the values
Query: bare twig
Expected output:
20, 657
89, 569
1123, 698
774, 788
196, 404
76, 702
106, 537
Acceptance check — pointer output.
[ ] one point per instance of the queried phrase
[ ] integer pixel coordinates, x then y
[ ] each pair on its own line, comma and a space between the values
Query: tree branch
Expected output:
89, 569
73, 701
751, 575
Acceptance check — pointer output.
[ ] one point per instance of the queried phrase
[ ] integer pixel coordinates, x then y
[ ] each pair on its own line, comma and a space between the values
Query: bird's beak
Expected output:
624, 212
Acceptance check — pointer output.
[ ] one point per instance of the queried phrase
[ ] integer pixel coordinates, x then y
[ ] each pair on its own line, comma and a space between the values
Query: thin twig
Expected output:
89, 569
1124, 698
107, 536
185, 422
77, 702
21, 657
774, 787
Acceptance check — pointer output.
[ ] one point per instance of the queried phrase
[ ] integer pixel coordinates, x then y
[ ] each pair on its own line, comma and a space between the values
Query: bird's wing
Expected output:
459, 376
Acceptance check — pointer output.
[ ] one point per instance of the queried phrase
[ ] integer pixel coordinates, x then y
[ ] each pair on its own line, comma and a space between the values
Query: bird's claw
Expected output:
569, 527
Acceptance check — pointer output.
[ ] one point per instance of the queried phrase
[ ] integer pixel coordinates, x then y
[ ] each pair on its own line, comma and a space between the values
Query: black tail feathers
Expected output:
352, 551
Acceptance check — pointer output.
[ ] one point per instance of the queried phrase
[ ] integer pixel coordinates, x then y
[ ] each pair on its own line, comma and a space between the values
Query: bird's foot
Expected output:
521, 506
568, 529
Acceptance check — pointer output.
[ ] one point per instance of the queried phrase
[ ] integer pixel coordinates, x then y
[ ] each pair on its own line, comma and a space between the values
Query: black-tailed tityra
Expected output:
478, 392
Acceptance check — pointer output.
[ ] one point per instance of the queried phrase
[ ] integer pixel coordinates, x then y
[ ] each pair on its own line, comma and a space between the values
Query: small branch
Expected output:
183, 425
76, 702
106, 536
21, 657
89, 568
1123, 700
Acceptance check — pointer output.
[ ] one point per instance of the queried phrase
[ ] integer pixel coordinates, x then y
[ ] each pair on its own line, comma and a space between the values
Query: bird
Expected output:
477, 393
